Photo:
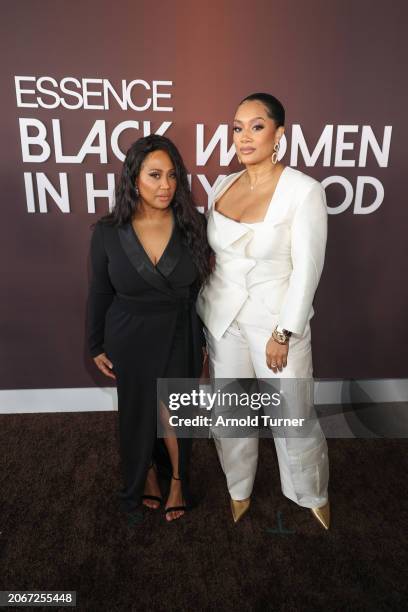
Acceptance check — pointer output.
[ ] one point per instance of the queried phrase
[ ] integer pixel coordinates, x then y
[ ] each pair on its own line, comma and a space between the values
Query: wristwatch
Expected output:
281, 336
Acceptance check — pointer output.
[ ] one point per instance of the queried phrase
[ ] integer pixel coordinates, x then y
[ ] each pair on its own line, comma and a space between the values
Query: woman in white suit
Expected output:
267, 226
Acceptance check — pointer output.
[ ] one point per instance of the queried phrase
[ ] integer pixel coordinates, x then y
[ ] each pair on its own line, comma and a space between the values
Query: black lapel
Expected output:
172, 253
140, 260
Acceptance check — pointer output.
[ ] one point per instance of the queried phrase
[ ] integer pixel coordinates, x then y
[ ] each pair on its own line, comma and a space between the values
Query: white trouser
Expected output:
303, 461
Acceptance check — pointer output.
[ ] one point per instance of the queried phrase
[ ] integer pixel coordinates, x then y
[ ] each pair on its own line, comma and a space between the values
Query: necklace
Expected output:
257, 182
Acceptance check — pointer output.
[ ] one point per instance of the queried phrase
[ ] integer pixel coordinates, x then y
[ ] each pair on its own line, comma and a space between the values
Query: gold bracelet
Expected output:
281, 337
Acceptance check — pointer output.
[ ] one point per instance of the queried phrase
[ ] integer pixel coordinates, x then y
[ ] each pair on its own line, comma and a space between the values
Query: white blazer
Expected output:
267, 273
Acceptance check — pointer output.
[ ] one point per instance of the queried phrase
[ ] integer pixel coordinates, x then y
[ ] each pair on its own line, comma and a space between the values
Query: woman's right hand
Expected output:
104, 365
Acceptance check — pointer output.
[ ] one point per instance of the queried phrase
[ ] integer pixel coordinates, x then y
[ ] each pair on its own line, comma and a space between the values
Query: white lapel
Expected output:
227, 230
224, 184
281, 197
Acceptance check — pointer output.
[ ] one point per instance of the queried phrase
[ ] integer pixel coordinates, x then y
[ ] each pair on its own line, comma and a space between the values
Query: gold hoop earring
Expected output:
274, 157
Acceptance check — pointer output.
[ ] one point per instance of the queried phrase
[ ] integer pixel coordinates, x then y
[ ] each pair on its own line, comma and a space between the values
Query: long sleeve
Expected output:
101, 293
308, 244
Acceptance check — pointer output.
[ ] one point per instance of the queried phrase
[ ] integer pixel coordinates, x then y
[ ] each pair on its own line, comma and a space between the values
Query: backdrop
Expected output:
82, 80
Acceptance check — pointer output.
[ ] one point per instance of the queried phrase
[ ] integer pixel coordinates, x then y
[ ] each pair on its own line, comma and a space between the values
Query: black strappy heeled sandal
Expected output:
153, 497
184, 507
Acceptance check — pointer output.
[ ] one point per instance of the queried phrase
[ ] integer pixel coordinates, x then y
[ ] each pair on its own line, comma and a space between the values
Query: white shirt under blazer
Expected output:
266, 273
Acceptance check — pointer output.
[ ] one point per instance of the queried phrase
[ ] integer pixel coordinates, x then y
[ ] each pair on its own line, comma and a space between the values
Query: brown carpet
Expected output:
61, 530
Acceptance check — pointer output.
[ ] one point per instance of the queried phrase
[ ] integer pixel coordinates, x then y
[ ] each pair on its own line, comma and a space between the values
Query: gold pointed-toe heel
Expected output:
322, 515
239, 507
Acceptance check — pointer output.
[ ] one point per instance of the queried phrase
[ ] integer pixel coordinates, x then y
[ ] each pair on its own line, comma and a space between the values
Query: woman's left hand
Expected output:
276, 355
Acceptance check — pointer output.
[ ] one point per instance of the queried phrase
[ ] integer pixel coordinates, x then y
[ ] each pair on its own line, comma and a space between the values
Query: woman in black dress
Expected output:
149, 258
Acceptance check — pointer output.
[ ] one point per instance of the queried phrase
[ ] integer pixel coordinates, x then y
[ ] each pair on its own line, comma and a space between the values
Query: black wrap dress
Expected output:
143, 317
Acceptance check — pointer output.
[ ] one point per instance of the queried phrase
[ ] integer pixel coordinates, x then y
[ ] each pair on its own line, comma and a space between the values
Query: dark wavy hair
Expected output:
274, 107
191, 223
